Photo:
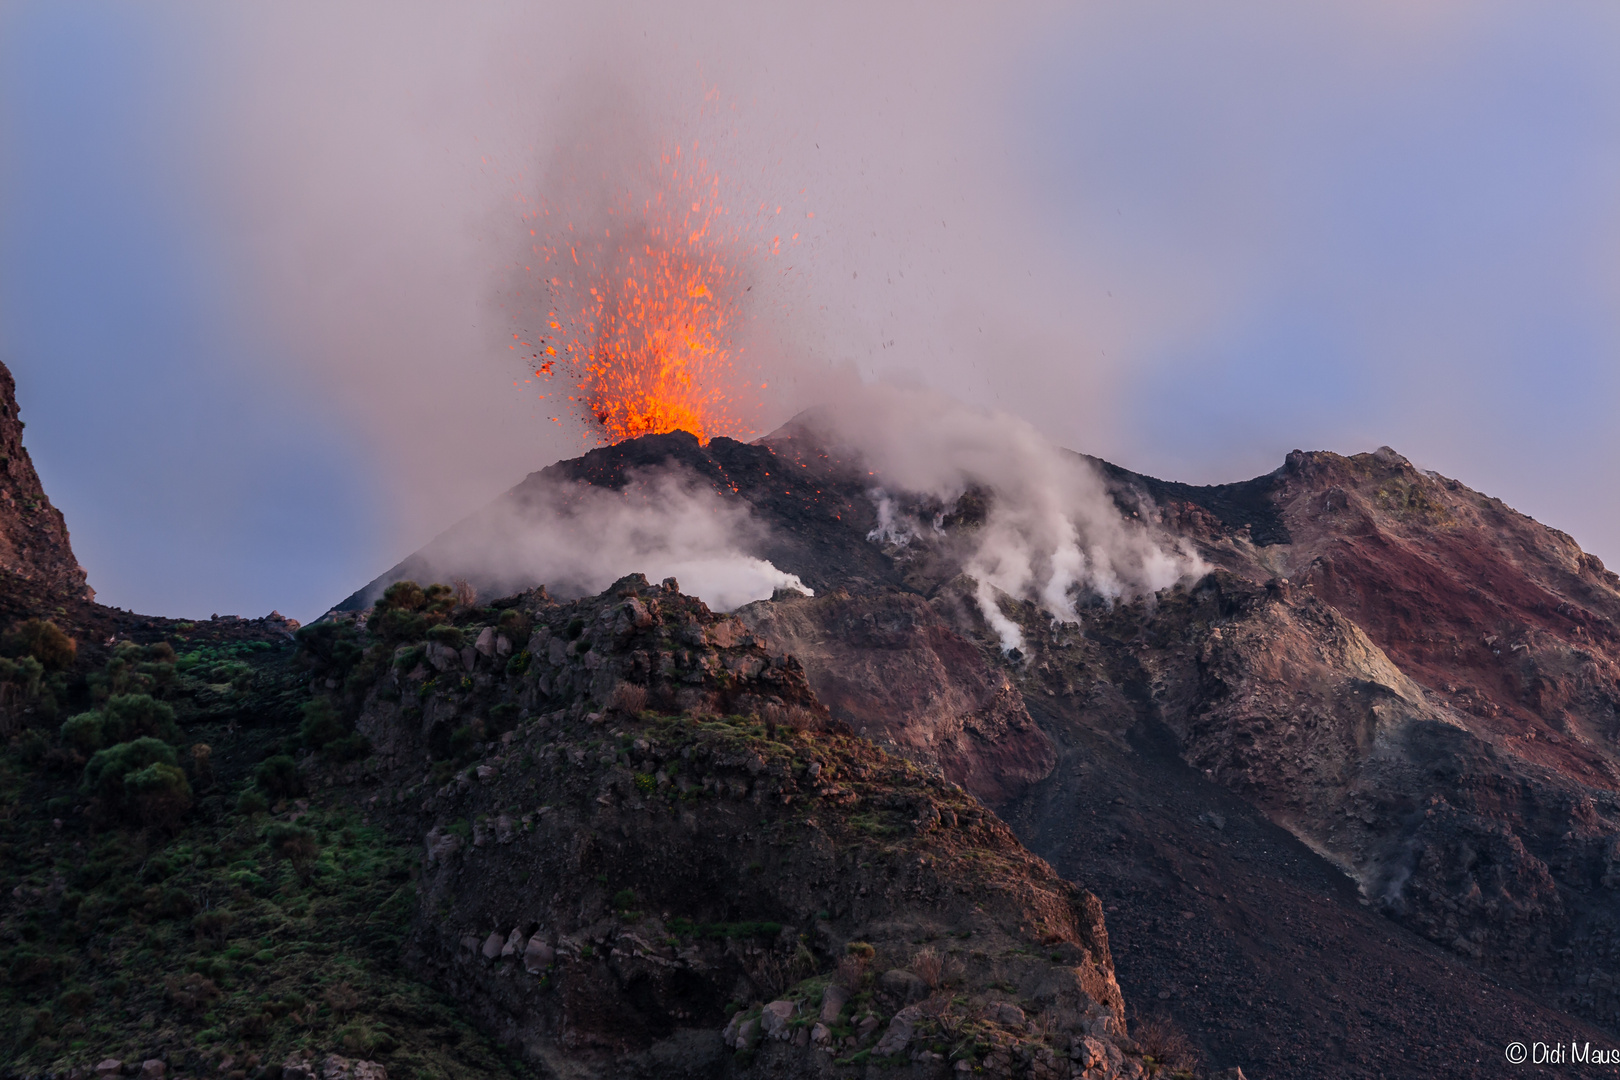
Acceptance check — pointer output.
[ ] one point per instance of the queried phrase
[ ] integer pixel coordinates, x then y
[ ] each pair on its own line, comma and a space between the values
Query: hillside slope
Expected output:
1415, 684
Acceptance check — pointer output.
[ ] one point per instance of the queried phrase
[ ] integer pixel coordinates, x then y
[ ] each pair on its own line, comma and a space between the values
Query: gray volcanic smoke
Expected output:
1052, 531
577, 539
1051, 535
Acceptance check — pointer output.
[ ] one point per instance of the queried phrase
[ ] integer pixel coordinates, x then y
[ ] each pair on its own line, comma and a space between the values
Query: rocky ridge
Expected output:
1413, 681
656, 854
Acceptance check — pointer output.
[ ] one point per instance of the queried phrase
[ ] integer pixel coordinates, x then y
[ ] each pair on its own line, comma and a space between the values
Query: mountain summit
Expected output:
1387, 696
933, 751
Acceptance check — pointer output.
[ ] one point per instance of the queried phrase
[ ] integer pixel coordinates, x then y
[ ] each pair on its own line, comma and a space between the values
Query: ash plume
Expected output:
1052, 532
577, 539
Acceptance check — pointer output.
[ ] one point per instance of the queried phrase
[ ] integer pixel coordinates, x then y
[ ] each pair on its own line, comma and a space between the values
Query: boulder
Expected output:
538, 955
821, 1035
833, 1000
109, 1067
493, 945
441, 845
1006, 1014
898, 1036
153, 1069
1087, 1052
485, 644
637, 613
514, 942
774, 1019
334, 1067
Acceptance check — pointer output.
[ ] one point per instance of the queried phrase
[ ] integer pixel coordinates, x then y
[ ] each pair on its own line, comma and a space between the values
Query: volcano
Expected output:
1354, 787
1327, 788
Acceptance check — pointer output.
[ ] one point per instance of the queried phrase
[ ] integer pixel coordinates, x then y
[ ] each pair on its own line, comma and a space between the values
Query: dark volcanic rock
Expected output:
1419, 687
662, 853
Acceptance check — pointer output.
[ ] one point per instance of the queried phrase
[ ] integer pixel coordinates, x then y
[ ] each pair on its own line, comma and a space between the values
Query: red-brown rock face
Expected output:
1421, 684
33, 537
891, 667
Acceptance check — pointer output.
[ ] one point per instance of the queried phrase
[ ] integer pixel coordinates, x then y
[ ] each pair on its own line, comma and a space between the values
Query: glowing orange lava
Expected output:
645, 301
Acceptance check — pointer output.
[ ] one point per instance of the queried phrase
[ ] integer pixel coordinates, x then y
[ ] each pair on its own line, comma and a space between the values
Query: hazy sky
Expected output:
251, 261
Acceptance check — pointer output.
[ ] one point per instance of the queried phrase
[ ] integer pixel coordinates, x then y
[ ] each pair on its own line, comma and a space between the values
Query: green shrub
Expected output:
402, 596
321, 724
131, 716
351, 747
26, 674
396, 627
251, 802
278, 777
30, 746
333, 647
438, 600
448, 636
44, 641
138, 781
296, 844
122, 719
519, 663
84, 732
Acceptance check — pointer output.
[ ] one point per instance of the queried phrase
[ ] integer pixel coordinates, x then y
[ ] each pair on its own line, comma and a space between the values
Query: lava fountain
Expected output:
642, 307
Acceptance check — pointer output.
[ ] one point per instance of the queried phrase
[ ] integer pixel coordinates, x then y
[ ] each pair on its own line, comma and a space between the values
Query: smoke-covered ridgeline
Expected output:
577, 539
1051, 531
733, 522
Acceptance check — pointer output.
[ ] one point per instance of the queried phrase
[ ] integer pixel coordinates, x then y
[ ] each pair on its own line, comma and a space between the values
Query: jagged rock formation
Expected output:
662, 839
1422, 685
34, 548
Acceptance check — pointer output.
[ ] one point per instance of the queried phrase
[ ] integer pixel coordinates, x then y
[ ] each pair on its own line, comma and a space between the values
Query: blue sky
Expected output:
247, 260
192, 482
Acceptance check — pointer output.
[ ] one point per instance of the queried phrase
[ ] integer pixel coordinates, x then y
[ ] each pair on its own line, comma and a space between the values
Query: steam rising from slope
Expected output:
577, 539
1052, 531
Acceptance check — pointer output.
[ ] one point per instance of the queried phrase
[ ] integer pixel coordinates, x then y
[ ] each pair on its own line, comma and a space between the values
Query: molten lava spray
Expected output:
642, 307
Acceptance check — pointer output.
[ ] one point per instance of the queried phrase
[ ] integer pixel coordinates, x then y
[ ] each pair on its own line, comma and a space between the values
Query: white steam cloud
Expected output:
1052, 531
577, 539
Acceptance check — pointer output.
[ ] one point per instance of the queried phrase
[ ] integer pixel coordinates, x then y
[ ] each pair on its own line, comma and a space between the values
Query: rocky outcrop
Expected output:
34, 549
1416, 682
648, 850
893, 668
